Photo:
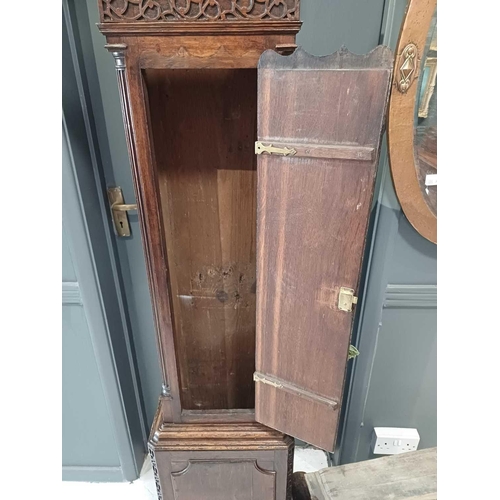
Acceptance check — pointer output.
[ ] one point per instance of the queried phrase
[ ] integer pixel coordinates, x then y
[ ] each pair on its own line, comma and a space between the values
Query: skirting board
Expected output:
92, 474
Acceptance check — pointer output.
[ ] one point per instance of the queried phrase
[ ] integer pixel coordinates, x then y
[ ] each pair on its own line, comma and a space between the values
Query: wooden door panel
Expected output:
209, 479
221, 461
312, 216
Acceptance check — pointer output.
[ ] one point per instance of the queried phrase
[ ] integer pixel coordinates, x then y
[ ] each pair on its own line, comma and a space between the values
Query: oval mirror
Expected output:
412, 128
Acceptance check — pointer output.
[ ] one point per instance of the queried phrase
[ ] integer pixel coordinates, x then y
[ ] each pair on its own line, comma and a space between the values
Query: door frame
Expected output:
92, 243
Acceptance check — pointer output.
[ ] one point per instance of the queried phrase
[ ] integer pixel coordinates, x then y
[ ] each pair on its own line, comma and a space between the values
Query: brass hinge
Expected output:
352, 353
346, 299
272, 150
119, 211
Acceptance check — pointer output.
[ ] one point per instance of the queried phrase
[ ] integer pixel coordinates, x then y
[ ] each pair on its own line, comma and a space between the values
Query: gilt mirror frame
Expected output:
408, 66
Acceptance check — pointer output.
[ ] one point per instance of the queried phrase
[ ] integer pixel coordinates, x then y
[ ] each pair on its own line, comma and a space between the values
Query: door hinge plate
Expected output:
261, 148
352, 353
346, 299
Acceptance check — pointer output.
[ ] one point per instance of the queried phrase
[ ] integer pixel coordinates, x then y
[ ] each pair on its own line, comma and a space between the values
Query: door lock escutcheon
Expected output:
119, 211
346, 299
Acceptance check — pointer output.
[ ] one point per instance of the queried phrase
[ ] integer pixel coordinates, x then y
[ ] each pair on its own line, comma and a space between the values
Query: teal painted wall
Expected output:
103, 431
394, 380
105, 100
88, 446
87, 430
329, 24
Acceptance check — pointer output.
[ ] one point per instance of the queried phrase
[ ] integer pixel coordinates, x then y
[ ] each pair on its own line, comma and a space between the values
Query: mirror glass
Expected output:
425, 143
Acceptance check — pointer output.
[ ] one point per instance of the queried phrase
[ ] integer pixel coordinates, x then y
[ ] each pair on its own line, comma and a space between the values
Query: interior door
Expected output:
320, 121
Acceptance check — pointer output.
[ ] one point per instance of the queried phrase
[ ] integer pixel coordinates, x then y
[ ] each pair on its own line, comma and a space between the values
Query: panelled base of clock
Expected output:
220, 461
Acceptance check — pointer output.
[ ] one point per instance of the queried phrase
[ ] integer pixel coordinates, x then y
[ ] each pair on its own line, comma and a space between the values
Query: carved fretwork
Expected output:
155, 472
291, 451
198, 10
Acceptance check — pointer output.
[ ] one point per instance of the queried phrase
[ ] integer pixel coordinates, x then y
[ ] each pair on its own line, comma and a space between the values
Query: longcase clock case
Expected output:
253, 166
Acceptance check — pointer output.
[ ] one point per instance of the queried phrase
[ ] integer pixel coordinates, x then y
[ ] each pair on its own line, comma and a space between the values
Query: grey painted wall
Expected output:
85, 418
329, 24
86, 426
88, 446
104, 431
103, 93
68, 270
393, 381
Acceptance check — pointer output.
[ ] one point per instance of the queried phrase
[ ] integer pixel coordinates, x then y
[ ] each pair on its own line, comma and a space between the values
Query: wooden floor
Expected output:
406, 476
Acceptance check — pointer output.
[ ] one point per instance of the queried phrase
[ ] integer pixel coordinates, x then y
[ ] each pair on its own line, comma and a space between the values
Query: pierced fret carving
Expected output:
155, 472
198, 10
291, 451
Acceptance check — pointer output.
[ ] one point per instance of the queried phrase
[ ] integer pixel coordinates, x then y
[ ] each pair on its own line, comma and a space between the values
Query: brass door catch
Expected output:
352, 353
347, 299
270, 149
285, 49
119, 211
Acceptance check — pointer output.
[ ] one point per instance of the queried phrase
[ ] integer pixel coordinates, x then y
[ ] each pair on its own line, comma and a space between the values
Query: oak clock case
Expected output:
243, 163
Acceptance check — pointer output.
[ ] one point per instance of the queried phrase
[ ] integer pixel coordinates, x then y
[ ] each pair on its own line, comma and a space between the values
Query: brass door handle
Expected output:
122, 207
119, 211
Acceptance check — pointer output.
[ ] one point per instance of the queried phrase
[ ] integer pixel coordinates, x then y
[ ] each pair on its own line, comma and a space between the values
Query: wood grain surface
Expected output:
247, 461
409, 476
190, 124
204, 129
312, 217
190, 48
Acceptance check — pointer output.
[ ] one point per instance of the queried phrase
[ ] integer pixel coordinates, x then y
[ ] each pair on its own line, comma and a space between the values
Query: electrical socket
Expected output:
394, 440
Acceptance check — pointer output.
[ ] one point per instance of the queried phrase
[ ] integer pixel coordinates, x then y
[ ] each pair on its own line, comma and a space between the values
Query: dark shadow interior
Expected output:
204, 129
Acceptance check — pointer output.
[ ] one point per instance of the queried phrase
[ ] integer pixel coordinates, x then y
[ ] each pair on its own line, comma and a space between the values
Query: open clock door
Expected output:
320, 122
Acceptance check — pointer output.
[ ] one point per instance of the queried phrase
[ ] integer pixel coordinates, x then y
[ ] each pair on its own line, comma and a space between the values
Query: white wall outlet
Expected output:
394, 440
